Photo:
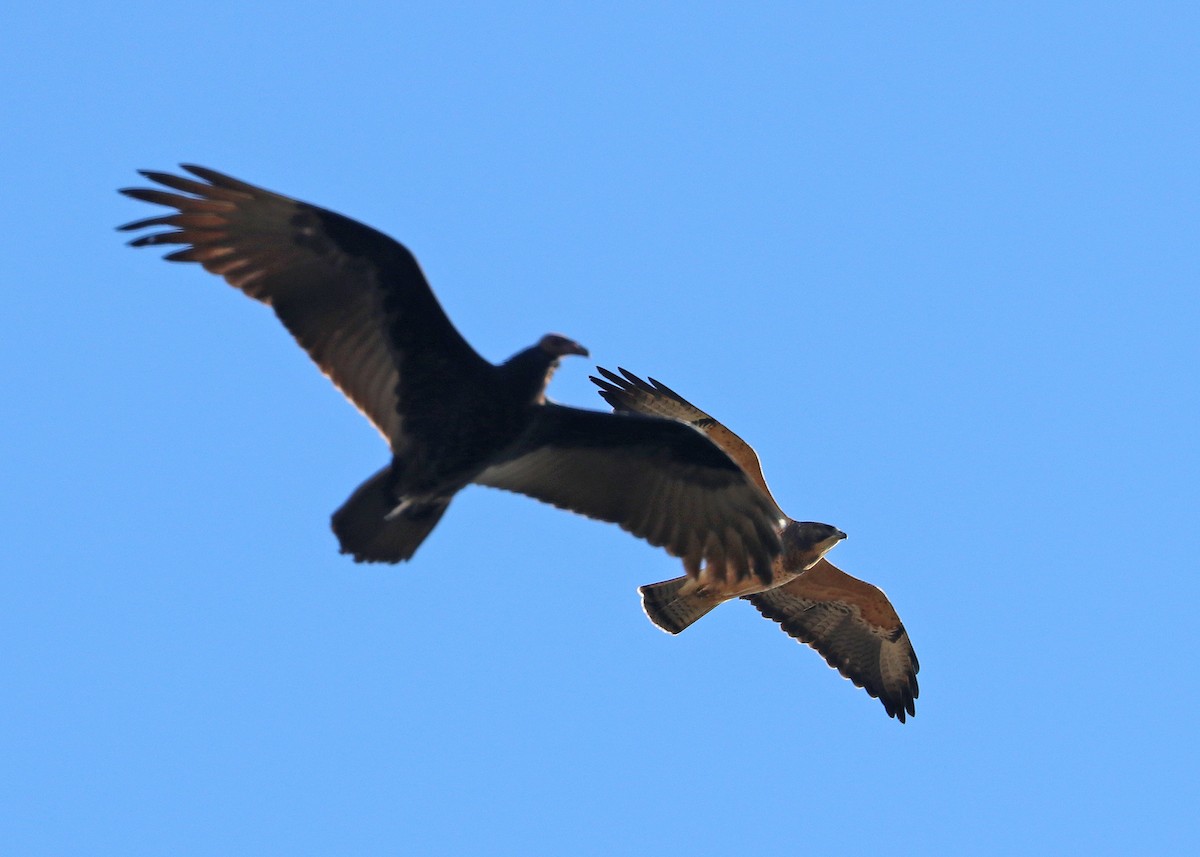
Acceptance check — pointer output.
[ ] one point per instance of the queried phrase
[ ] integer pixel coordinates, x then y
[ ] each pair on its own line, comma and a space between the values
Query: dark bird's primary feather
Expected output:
358, 303
851, 623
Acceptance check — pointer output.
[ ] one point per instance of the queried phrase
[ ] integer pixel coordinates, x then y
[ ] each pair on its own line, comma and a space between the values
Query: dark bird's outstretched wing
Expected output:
358, 303
353, 298
658, 479
854, 627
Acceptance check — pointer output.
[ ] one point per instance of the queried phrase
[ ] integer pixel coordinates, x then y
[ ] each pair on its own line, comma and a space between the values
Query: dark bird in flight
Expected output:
357, 302
851, 623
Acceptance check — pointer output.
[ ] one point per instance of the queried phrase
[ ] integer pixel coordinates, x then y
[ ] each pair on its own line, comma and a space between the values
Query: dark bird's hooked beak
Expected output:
557, 345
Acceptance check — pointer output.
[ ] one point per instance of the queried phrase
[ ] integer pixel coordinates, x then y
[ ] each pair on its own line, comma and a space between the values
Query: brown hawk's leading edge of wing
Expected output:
358, 303
851, 623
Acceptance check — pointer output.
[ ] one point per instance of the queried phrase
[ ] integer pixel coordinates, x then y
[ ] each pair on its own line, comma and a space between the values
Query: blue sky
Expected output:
938, 264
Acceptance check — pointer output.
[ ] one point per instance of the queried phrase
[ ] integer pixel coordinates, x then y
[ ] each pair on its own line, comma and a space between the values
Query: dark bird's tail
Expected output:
365, 531
671, 611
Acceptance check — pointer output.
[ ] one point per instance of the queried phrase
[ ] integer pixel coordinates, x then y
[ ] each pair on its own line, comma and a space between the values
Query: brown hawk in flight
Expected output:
851, 623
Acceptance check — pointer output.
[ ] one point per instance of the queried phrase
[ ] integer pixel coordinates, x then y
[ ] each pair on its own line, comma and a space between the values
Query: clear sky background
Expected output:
939, 265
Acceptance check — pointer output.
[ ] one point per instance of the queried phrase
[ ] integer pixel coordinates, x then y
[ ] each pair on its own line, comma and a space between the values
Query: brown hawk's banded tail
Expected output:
671, 611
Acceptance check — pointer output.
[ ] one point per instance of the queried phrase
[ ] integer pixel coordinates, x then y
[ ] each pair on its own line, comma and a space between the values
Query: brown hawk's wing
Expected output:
659, 479
630, 394
848, 621
854, 627
353, 298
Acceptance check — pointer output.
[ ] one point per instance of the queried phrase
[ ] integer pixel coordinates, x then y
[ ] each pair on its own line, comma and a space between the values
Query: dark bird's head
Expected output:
555, 345
530, 370
805, 542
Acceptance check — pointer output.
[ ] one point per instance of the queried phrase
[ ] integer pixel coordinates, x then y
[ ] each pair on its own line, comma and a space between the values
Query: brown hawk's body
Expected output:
851, 623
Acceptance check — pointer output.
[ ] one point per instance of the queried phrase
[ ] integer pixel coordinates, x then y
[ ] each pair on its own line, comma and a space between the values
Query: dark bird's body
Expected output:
358, 303
850, 622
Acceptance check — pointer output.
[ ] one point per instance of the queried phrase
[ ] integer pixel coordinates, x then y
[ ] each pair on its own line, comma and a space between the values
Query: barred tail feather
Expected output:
671, 611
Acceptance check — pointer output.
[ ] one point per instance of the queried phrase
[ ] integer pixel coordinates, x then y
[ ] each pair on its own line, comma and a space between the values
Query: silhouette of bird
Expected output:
358, 303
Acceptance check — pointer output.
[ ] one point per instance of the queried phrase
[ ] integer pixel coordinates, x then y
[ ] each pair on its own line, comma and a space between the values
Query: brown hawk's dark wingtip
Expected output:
609, 376
200, 172
155, 175
905, 703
